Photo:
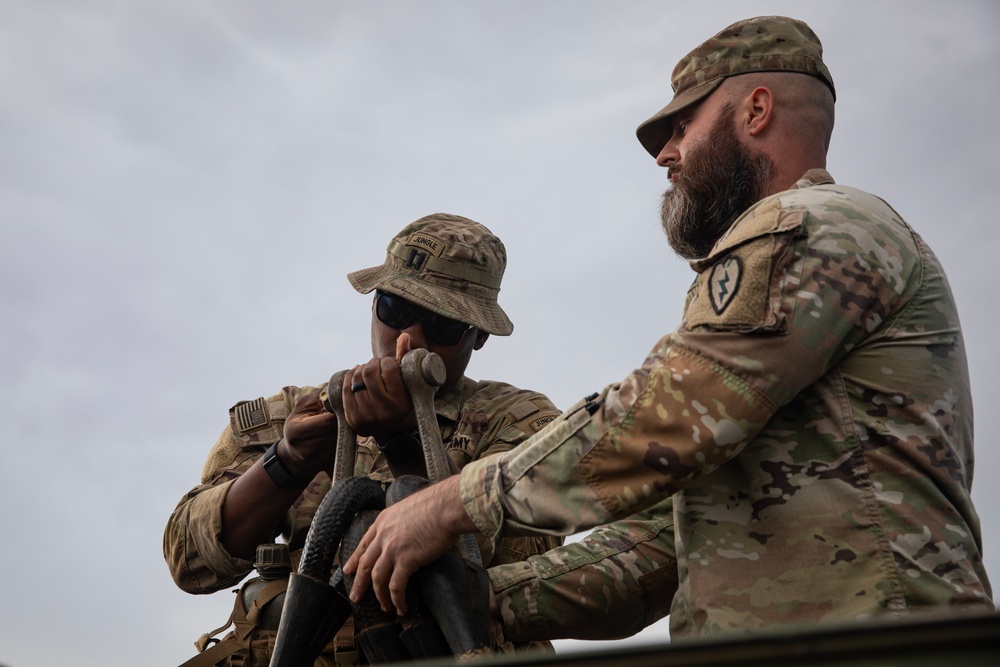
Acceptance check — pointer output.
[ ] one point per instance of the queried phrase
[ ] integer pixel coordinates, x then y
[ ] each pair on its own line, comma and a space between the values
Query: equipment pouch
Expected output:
255, 625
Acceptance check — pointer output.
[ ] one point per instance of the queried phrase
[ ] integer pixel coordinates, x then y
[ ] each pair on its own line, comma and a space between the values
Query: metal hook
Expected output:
333, 400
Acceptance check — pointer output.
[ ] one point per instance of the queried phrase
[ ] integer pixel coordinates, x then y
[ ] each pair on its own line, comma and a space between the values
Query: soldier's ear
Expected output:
481, 337
758, 108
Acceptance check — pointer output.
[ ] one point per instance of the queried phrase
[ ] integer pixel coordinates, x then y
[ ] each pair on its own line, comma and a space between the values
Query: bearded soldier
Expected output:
798, 451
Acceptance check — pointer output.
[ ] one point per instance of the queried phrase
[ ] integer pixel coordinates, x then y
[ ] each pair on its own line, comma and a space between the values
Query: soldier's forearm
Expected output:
252, 510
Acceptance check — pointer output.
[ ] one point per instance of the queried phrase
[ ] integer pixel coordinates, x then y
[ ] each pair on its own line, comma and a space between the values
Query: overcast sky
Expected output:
184, 185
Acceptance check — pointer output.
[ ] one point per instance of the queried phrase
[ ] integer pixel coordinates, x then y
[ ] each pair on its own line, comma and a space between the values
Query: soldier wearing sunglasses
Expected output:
268, 472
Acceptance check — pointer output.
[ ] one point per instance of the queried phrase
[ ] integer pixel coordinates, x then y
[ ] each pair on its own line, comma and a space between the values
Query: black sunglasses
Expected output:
398, 313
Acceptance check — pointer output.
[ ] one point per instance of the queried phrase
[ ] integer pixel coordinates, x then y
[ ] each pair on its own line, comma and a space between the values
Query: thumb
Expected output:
402, 346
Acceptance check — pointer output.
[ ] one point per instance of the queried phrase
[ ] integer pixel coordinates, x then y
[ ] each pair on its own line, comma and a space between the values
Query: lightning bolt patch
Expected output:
723, 283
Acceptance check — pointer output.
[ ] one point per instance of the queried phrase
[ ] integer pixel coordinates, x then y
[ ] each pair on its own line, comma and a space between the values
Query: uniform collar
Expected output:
813, 177
449, 404
809, 179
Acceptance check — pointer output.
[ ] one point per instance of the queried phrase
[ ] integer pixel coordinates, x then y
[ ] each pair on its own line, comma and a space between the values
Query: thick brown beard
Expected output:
719, 180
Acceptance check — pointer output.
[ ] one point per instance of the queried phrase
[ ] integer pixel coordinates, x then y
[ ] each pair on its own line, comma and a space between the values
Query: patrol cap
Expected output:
447, 264
761, 44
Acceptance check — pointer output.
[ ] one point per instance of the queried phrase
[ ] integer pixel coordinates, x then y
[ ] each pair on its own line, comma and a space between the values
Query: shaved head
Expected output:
805, 105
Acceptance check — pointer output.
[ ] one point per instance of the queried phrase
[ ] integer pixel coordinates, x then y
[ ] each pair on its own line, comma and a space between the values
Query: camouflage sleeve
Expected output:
511, 415
195, 557
779, 301
197, 560
518, 414
611, 584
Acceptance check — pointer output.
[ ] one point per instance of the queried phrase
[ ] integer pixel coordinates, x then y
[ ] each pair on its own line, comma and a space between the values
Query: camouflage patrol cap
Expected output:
447, 264
761, 44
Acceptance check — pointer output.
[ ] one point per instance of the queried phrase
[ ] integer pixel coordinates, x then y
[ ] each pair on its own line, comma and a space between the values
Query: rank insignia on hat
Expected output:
419, 247
251, 415
415, 260
723, 283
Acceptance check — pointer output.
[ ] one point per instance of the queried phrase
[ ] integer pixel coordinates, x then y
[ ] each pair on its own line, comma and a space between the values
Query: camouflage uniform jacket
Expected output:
476, 419
807, 431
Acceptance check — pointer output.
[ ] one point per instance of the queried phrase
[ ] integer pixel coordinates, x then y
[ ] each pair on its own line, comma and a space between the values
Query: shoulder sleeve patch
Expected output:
739, 285
529, 416
733, 292
251, 415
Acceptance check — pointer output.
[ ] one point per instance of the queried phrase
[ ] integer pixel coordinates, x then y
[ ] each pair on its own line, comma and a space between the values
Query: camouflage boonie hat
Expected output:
762, 44
447, 264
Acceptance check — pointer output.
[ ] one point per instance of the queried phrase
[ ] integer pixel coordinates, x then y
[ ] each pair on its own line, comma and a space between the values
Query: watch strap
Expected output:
279, 474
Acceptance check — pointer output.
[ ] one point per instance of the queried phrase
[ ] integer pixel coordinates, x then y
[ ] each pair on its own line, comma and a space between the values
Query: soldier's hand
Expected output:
405, 537
383, 407
309, 444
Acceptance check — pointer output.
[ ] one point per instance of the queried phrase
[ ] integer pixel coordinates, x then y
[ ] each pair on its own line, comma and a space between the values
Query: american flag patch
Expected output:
251, 415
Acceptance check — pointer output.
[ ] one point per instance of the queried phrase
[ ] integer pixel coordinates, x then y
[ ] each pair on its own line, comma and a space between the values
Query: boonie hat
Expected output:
447, 264
761, 44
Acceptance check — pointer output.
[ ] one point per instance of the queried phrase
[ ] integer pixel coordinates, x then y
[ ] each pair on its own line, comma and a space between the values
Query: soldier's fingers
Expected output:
350, 387
392, 378
356, 379
388, 366
351, 379
381, 576
360, 568
397, 589
371, 375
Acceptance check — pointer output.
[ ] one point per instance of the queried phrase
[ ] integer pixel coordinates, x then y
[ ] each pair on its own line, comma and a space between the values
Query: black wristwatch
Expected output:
279, 473
402, 450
